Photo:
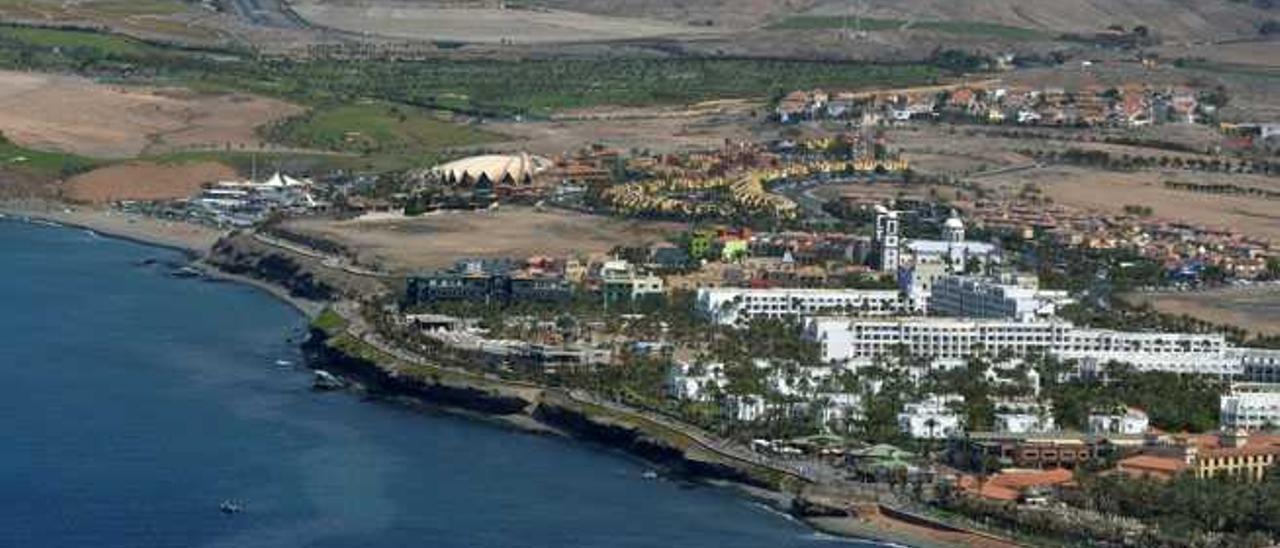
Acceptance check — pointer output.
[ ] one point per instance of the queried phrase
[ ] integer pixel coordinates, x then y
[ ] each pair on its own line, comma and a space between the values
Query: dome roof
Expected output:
496, 168
954, 221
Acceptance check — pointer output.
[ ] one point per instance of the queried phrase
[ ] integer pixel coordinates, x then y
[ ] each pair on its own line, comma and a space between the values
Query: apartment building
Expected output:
950, 342
1012, 297
737, 306
1250, 406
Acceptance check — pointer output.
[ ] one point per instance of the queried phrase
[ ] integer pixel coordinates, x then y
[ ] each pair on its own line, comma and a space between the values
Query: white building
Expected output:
931, 418
696, 382
839, 406
1127, 422
1023, 415
1260, 364
1014, 297
1024, 423
1251, 407
623, 283
736, 306
953, 248
887, 236
917, 281
950, 342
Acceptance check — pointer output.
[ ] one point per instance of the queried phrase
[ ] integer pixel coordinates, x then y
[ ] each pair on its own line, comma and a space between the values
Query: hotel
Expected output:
951, 342
734, 306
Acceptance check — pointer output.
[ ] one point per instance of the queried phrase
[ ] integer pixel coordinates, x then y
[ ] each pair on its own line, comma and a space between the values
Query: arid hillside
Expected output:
1182, 20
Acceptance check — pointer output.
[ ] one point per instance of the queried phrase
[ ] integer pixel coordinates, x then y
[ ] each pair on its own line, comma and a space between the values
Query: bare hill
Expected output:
1171, 19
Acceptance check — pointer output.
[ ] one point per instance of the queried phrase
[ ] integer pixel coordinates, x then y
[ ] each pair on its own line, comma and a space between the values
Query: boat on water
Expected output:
186, 272
230, 507
650, 475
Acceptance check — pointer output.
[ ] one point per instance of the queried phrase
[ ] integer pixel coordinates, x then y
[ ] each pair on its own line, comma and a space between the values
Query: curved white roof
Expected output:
495, 167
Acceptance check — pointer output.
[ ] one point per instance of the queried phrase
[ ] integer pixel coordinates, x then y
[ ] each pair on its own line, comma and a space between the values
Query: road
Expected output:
265, 13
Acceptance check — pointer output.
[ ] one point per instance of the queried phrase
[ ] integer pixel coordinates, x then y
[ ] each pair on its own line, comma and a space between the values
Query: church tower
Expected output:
887, 235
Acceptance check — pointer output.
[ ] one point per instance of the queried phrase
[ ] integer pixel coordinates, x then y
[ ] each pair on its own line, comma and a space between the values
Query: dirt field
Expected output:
71, 114
1254, 308
438, 240
144, 181
481, 24
1110, 192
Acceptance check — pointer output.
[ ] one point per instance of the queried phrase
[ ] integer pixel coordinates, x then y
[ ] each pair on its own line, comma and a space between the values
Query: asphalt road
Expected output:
265, 13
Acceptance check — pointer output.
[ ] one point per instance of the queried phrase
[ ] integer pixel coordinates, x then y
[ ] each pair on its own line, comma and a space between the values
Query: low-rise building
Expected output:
621, 282
931, 418
1024, 423
696, 382
984, 451
488, 281
1233, 454
1129, 421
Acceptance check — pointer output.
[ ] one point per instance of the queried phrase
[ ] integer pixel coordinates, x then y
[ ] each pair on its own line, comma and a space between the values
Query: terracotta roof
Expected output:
1032, 478
1151, 465
1009, 484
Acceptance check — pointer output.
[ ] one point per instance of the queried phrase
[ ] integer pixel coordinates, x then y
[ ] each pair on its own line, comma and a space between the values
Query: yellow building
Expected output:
1238, 457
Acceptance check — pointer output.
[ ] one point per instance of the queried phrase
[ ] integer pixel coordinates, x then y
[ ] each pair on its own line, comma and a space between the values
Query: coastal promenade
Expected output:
328, 260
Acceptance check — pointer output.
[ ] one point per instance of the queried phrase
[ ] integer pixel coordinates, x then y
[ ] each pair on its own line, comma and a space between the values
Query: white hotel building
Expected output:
737, 306
951, 342
1012, 297
1250, 407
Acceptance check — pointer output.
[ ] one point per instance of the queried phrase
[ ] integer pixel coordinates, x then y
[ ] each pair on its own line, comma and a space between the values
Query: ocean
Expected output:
135, 403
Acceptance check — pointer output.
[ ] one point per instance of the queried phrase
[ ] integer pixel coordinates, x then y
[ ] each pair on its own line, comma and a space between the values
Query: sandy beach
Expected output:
194, 240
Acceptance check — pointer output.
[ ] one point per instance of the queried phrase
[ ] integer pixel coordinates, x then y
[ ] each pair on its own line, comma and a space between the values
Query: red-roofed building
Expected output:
1013, 484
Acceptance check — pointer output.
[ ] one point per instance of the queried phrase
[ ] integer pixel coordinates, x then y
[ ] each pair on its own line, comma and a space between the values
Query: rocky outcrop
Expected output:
230, 255
804, 507
638, 443
379, 382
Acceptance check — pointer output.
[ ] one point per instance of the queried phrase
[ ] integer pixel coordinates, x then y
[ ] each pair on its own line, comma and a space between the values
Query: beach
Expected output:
193, 239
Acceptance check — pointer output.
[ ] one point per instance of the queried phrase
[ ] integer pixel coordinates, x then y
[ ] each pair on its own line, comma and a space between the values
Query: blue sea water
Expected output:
133, 403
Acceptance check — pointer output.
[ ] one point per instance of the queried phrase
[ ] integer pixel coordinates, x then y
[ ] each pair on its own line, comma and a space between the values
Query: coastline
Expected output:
196, 241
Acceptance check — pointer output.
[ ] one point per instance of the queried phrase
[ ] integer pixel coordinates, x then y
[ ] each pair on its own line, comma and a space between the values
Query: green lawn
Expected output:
968, 28
95, 42
330, 322
40, 163
376, 127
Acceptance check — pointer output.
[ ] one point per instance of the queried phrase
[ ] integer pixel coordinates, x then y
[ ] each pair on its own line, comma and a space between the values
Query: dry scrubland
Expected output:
417, 20
77, 115
1256, 309
163, 19
144, 181
438, 240
1111, 191
1172, 19
660, 129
